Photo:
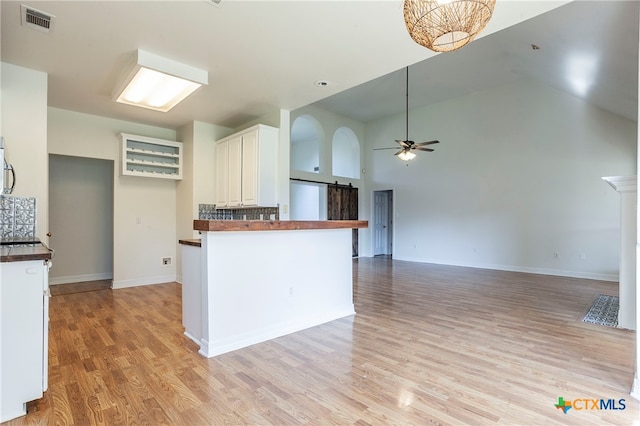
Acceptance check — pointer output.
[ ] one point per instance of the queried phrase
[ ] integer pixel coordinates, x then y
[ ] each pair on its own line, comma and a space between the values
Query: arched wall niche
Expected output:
345, 154
306, 137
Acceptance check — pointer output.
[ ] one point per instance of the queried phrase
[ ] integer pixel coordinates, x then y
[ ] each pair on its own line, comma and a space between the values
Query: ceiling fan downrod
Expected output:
407, 105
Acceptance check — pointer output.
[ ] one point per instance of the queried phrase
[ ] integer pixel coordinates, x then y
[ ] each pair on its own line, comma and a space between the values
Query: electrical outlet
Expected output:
166, 261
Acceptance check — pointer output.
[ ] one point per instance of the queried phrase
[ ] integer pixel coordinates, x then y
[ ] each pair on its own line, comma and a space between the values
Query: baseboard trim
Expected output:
80, 278
229, 344
190, 337
137, 282
525, 269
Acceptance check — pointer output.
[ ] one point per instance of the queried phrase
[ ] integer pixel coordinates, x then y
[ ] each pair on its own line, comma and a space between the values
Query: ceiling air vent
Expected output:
37, 19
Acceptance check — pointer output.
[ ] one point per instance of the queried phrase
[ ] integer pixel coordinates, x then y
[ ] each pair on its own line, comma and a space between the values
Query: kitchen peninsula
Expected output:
252, 281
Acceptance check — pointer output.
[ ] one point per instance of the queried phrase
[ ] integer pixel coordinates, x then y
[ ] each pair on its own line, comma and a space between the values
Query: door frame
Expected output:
390, 222
108, 190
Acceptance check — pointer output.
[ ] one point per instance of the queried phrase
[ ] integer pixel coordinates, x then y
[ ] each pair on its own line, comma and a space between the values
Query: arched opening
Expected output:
306, 134
345, 154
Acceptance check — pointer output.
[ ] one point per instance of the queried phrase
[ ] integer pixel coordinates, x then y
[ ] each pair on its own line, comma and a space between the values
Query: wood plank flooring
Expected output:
429, 345
81, 287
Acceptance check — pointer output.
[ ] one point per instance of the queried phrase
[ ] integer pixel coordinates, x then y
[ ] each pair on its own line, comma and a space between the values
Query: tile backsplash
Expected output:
17, 217
209, 212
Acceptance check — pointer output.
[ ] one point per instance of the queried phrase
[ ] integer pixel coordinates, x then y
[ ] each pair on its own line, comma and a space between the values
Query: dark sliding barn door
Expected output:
342, 204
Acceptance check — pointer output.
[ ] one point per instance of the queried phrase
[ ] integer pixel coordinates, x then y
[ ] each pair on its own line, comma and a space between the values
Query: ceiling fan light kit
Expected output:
406, 155
446, 25
406, 145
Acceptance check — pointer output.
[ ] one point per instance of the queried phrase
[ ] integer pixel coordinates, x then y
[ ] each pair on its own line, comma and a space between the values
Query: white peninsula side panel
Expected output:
192, 292
260, 285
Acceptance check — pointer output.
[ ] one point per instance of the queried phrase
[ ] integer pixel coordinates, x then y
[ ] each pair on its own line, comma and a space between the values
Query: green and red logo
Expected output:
589, 404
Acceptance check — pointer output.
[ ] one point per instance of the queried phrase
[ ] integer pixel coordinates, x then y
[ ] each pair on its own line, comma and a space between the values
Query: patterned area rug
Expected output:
604, 311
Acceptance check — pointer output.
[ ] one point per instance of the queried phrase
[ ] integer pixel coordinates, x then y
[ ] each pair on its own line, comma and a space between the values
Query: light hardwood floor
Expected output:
429, 345
59, 289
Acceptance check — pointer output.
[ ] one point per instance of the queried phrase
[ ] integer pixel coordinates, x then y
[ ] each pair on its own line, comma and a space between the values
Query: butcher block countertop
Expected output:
20, 251
195, 242
276, 225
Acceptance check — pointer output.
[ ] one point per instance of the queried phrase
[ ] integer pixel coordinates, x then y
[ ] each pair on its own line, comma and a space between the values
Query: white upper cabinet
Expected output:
235, 171
250, 179
250, 170
151, 157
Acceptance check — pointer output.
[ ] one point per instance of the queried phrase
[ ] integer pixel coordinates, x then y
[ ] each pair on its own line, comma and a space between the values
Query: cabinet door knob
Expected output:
48, 234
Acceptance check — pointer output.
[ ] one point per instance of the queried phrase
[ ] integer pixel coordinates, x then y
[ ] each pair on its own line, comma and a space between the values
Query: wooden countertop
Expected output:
276, 225
21, 253
196, 242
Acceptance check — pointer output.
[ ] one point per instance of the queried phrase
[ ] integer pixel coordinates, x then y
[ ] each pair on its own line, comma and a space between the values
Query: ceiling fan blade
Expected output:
378, 149
427, 143
399, 152
418, 148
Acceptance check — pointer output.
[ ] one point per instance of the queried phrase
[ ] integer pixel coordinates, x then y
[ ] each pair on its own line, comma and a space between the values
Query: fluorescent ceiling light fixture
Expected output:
158, 83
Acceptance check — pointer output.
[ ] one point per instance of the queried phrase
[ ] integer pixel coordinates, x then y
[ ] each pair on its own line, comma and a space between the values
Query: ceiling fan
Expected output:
406, 146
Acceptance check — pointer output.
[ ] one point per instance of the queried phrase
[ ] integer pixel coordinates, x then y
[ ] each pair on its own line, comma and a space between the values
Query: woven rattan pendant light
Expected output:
446, 25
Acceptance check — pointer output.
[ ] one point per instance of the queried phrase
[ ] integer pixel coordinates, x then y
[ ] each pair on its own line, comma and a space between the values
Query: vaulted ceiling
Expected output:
264, 55
586, 48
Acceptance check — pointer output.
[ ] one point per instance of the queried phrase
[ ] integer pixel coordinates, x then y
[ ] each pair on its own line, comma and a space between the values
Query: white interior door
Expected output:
381, 222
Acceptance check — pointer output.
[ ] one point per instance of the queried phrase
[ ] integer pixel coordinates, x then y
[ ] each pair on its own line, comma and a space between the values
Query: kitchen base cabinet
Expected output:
24, 321
285, 286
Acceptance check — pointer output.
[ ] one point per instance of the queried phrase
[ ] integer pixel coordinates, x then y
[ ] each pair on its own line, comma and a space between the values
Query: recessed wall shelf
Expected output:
151, 157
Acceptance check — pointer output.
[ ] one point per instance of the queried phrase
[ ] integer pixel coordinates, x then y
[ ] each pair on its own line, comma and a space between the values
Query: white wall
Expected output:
198, 177
300, 292
515, 179
24, 127
308, 201
330, 122
345, 156
305, 155
144, 208
284, 154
